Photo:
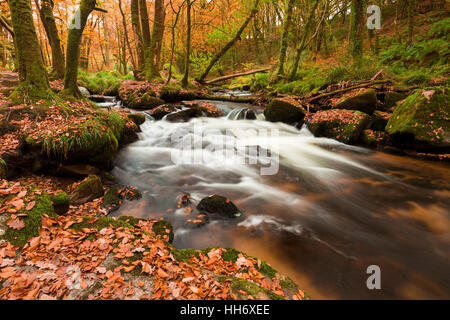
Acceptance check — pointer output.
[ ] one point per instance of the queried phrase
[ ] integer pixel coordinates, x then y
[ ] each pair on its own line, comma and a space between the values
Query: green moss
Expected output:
61, 202
391, 98
423, 118
138, 119
3, 169
100, 223
33, 221
161, 227
284, 110
238, 285
184, 254
365, 102
88, 190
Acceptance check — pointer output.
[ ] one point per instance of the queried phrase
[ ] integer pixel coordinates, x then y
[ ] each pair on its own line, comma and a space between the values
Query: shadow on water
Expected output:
328, 213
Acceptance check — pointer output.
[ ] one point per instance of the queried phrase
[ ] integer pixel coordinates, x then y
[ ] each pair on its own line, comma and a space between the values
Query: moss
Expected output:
130, 220
423, 116
111, 200
184, 254
138, 119
391, 98
90, 189
284, 110
33, 221
238, 285
219, 205
3, 169
365, 102
161, 227
61, 202
100, 223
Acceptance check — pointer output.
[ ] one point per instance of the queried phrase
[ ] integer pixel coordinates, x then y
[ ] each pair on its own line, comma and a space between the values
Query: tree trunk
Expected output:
145, 25
127, 40
185, 80
138, 33
284, 39
48, 21
411, 14
32, 74
73, 47
302, 45
357, 33
172, 45
154, 55
230, 44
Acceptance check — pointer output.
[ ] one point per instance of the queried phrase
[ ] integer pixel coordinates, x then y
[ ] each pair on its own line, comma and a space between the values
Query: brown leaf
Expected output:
30, 205
15, 224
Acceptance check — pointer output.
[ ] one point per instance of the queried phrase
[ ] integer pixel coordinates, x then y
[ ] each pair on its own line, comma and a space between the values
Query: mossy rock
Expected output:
343, 125
422, 120
175, 93
380, 120
239, 286
391, 98
33, 221
220, 206
138, 119
3, 169
160, 112
373, 139
88, 190
112, 200
61, 202
365, 101
145, 102
284, 110
104, 222
139, 95
164, 228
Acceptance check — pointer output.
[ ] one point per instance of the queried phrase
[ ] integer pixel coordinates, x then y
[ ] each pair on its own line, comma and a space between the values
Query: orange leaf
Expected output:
15, 224
30, 205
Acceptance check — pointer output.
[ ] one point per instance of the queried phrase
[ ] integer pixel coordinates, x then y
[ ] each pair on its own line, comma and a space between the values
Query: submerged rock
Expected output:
284, 110
220, 206
162, 111
343, 125
365, 101
422, 120
90, 189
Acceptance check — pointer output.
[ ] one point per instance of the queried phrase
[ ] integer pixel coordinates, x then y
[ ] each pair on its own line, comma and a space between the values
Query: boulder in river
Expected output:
164, 229
380, 120
160, 112
139, 95
90, 189
365, 101
220, 206
284, 110
194, 110
422, 120
373, 139
137, 118
85, 92
175, 93
112, 200
343, 125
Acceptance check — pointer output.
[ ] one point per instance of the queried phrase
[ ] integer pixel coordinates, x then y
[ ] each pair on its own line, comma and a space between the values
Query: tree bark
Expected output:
144, 25
73, 47
127, 40
284, 39
154, 54
32, 74
230, 44
48, 21
185, 80
357, 33
303, 45
138, 33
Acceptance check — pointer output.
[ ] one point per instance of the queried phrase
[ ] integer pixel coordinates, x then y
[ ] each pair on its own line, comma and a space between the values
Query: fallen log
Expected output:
237, 75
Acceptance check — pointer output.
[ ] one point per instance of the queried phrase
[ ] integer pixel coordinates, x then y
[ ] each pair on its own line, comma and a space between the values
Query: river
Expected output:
322, 214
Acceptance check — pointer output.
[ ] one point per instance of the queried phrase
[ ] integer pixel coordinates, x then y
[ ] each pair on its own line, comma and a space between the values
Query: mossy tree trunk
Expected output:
48, 21
302, 46
411, 14
357, 31
136, 23
32, 73
154, 52
230, 44
144, 24
284, 39
185, 80
73, 47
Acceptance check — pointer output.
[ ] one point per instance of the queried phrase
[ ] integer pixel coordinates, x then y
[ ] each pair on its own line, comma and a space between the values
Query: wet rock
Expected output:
90, 189
85, 92
112, 200
81, 170
139, 95
175, 93
3, 169
374, 139
209, 110
199, 221
343, 125
138, 119
102, 99
61, 203
391, 98
422, 120
220, 206
129, 133
162, 111
184, 115
365, 101
164, 229
284, 110
380, 120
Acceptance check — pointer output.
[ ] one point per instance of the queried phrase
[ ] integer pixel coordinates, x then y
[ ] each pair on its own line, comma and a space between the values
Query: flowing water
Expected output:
329, 212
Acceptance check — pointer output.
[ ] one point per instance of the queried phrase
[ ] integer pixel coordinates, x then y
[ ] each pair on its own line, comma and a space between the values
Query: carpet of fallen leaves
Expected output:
111, 263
